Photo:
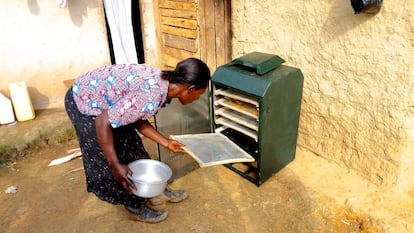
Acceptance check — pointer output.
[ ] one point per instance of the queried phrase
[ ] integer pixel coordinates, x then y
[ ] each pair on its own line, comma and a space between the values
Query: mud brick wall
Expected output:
358, 102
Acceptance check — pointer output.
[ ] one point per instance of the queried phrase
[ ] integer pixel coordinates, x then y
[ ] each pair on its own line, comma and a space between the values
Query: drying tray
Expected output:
210, 149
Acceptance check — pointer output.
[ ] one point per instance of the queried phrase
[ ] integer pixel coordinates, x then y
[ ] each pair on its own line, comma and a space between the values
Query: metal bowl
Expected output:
149, 176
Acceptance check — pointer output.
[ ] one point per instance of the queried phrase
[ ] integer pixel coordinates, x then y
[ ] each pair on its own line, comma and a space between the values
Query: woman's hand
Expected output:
175, 146
145, 128
121, 172
106, 141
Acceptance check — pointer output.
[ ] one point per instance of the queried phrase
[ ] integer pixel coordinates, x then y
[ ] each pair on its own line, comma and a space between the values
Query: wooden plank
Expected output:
158, 33
219, 31
207, 34
210, 40
179, 22
228, 32
179, 0
183, 0
188, 6
178, 13
177, 53
169, 61
179, 42
223, 33
184, 32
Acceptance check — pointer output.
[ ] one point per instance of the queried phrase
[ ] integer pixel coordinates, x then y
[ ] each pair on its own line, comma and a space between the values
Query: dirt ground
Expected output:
54, 199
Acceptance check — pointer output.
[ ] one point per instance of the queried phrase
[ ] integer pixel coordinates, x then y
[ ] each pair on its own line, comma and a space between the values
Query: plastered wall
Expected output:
358, 97
43, 45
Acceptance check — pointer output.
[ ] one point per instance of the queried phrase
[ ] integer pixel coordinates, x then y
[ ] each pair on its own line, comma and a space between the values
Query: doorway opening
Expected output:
137, 33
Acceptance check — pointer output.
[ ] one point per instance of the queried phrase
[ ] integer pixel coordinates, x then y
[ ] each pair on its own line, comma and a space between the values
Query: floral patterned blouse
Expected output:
129, 92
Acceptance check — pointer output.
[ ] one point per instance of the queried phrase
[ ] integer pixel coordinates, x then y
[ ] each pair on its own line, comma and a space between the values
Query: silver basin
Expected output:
149, 176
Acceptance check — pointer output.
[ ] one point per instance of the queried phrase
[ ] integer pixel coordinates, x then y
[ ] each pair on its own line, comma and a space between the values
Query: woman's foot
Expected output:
146, 214
169, 195
175, 196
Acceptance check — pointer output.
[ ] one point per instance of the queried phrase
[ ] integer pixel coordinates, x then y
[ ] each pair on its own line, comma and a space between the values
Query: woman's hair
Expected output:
192, 71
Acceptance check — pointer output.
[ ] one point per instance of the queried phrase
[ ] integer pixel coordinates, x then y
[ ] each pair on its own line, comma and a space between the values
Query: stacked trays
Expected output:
236, 111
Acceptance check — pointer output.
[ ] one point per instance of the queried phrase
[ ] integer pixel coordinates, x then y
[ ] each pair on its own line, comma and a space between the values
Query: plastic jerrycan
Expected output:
6, 110
22, 104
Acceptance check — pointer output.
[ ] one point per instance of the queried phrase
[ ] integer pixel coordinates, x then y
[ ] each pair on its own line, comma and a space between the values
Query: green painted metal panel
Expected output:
261, 63
240, 79
279, 122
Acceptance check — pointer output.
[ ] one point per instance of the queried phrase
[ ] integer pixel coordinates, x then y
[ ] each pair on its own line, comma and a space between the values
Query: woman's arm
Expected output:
106, 141
150, 132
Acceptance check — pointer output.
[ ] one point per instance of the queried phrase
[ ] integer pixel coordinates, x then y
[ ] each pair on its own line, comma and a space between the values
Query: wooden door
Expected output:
190, 28
194, 28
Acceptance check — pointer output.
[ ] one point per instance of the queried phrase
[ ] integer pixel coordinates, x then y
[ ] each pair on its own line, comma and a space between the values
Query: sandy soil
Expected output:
54, 199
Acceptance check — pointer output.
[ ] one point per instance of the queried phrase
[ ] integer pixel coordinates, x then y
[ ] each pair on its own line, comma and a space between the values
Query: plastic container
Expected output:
22, 104
6, 110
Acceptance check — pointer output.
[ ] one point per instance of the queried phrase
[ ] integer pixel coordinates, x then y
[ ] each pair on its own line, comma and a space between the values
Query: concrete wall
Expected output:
43, 45
358, 102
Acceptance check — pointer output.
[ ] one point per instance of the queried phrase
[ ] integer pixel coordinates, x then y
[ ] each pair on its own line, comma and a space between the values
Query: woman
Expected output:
107, 105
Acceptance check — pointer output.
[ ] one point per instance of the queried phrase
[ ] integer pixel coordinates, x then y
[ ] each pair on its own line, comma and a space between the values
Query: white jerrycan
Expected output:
6, 110
22, 104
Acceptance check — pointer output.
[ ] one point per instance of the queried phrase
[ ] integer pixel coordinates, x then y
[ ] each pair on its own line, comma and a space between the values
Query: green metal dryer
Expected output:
256, 102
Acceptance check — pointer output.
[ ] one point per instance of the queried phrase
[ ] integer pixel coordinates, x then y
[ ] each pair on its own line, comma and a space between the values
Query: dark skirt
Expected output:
99, 177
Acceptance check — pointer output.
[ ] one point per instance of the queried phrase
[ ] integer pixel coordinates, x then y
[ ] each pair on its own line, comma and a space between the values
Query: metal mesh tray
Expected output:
210, 149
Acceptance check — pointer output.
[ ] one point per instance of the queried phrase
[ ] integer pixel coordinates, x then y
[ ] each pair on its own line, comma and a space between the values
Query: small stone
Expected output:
11, 189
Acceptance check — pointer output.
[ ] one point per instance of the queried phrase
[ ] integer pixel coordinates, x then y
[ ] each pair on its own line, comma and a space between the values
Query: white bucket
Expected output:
6, 110
22, 104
